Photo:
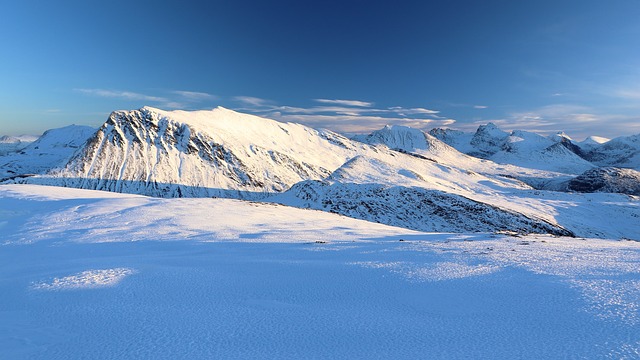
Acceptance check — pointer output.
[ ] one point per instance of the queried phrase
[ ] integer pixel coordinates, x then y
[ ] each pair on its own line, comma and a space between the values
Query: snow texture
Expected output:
75, 285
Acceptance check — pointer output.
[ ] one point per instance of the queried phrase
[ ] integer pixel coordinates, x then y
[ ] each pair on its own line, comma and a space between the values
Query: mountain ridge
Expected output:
397, 175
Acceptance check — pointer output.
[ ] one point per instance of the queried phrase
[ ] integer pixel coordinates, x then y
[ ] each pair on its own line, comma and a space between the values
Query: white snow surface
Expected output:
522, 149
98, 275
521, 154
88, 216
53, 148
86, 279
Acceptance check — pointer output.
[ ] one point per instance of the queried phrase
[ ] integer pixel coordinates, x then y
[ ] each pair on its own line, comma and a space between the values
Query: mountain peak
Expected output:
560, 136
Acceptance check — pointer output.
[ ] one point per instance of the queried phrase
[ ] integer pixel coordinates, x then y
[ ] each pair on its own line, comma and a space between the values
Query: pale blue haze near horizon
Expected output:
350, 66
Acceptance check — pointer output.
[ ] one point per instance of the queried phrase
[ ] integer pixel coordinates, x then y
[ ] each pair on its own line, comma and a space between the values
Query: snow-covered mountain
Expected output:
556, 153
487, 140
622, 151
218, 153
9, 144
53, 148
535, 170
591, 142
397, 176
420, 197
400, 137
224, 153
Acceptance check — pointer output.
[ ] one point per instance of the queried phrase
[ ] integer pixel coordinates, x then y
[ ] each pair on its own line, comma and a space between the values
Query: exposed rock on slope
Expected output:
487, 140
413, 208
609, 180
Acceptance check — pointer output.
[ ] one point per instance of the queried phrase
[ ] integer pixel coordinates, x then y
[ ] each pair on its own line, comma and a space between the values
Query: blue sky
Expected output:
350, 66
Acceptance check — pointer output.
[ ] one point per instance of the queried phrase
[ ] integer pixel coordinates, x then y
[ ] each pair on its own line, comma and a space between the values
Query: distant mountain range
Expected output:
9, 144
443, 180
556, 153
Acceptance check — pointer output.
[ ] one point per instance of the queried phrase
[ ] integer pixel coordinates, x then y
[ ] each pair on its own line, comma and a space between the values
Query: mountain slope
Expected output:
591, 143
53, 148
540, 175
609, 180
201, 153
412, 208
519, 148
228, 154
418, 197
622, 151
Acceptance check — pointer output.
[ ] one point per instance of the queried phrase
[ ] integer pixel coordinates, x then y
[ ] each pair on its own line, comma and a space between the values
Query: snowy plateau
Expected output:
216, 234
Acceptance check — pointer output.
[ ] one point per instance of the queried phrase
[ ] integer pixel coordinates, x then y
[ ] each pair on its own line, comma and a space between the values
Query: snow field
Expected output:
196, 285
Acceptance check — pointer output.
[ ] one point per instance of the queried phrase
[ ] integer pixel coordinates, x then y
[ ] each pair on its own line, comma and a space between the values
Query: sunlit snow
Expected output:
84, 277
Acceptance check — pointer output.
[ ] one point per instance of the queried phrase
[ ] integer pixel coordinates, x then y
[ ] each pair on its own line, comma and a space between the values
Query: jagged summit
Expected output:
399, 137
560, 136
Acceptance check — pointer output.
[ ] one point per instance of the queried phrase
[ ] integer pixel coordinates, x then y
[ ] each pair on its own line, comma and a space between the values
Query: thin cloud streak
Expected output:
358, 124
345, 115
132, 96
128, 95
628, 94
252, 101
577, 121
357, 103
194, 96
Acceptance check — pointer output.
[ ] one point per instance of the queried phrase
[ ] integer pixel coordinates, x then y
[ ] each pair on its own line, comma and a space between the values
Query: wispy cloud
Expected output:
128, 95
412, 111
194, 96
480, 106
628, 94
358, 123
252, 101
353, 116
357, 103
132, 96
576, 120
